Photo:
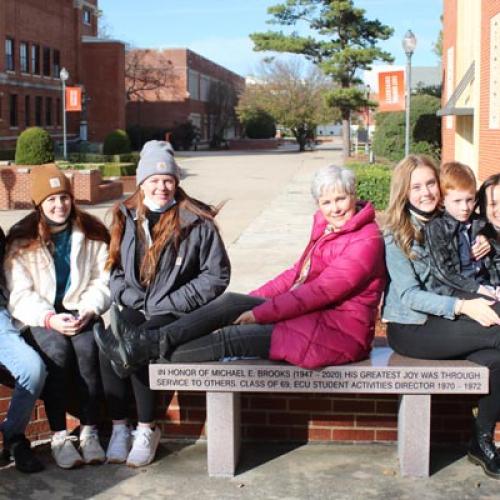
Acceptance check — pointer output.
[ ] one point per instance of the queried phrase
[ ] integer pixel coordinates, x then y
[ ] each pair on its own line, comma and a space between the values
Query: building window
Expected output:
13, 110
86, 16
35, 59
58, 112
56, 63
38, 111
46, 61
205, 84
9, 54
23, 58
194, 84
48, 111
27, 111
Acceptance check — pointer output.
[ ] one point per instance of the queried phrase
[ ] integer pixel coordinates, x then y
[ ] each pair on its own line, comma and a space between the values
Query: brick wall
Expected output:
103, 67
489, 139
172, 104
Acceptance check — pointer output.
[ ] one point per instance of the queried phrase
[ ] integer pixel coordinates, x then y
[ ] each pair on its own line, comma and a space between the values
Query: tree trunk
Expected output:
346, 136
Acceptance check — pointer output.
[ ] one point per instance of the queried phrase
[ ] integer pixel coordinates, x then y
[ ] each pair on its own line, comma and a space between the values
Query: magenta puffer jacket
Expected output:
330, 318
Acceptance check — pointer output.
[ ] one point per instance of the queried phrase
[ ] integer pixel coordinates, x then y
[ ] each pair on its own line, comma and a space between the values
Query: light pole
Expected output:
64, 75
368, 143
409, 44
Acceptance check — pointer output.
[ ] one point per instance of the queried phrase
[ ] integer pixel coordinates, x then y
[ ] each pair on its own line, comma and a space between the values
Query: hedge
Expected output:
116, 143
34, 147
425, 130
373, 183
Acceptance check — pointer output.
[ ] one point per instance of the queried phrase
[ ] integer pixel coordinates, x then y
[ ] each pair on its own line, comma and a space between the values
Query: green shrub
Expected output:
260, 125
116, 143
425, 130
373, 183
34, 147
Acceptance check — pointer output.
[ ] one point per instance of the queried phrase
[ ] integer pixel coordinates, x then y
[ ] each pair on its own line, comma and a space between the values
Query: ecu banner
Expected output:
73, 99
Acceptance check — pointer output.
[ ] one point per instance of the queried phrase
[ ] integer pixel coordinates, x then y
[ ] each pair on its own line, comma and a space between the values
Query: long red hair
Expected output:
167, 230
33, 231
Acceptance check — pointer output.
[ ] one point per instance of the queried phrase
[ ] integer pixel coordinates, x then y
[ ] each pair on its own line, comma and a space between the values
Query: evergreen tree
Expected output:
346, 44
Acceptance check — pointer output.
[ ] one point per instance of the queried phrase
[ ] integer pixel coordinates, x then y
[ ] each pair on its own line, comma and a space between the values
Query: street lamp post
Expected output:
64, 75
409, 44
369, 151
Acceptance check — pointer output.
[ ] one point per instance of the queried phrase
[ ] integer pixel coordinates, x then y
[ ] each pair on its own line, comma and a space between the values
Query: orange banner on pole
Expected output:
73, 98
391, 90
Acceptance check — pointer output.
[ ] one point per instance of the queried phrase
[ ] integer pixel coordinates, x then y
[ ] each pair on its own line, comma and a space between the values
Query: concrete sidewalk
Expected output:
265, 223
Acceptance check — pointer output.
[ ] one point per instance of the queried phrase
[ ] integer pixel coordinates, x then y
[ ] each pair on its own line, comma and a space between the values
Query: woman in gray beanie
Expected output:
166, 259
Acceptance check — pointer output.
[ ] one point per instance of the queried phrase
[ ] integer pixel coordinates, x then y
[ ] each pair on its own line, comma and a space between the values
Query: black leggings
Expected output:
61, 354
217, 336
462, 338
116, 389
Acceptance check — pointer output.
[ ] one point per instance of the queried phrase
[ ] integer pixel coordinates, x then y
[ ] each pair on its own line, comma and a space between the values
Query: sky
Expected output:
219, 29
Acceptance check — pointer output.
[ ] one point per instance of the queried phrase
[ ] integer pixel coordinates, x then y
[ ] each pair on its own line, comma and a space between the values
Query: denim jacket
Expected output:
406, 299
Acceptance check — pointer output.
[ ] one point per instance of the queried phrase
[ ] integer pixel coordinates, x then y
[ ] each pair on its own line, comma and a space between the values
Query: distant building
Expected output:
37, 39
471, 76
185, 96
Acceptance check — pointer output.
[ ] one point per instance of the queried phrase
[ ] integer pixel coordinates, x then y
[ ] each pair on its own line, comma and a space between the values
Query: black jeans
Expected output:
116, 389
462, 338
65, 356
208, 333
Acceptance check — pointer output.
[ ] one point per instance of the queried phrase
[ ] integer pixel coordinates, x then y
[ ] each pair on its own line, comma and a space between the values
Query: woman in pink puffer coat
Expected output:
319, 312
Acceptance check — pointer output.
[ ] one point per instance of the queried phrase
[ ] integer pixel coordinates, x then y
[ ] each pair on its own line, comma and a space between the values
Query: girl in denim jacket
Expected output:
423, 324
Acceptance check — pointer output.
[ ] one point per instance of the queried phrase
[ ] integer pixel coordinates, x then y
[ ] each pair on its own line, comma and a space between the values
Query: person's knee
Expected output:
34, 373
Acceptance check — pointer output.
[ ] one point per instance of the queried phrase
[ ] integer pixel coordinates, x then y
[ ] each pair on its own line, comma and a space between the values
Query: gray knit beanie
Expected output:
156, 159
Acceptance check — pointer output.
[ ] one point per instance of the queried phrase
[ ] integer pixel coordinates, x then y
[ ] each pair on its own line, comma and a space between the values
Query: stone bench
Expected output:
386, 372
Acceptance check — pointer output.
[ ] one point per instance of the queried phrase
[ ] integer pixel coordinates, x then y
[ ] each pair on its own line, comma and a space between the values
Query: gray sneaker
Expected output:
91, 448
65, 453
119, 445
143, 450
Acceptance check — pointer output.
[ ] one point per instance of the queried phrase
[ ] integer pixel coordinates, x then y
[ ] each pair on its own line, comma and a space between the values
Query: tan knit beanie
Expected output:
47, 180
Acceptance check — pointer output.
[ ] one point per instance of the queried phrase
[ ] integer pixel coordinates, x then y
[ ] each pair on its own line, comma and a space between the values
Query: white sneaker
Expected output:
119, 445
146, 441
64, 452
91, 448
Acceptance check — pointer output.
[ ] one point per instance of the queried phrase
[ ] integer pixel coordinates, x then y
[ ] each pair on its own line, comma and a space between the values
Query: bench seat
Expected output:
385, 372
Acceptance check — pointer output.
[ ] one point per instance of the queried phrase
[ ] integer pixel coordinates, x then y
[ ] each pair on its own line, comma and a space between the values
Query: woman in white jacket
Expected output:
58, 288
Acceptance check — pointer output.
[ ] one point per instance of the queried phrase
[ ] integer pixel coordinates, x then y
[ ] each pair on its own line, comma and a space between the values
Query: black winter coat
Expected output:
184, 280
441, 239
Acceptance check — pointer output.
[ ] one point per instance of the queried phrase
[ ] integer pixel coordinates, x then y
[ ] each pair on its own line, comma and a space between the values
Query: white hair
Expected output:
331, 176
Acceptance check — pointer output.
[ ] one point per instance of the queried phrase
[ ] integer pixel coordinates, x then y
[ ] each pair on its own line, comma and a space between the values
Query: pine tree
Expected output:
345, 45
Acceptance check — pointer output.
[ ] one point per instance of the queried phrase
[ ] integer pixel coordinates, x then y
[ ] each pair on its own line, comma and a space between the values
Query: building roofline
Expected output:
95, 39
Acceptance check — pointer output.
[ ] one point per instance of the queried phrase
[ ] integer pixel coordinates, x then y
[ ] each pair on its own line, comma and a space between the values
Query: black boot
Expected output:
482, 450
20, 449
125, 344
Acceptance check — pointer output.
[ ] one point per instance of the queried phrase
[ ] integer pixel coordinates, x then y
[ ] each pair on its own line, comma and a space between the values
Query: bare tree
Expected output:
222, 101
295, 98
149, 75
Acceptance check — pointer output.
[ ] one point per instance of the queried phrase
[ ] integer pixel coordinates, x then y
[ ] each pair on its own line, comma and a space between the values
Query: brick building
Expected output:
471, 78
187, 94
37, 39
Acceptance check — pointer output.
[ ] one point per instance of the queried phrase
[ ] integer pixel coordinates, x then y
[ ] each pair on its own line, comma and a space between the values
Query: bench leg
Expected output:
414, 435
223, 433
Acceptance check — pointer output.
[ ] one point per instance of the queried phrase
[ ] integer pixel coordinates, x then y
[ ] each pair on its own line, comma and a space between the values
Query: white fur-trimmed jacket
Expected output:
31, 280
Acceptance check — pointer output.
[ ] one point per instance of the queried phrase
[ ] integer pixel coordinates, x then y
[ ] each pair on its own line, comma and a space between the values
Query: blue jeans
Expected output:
29, 372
